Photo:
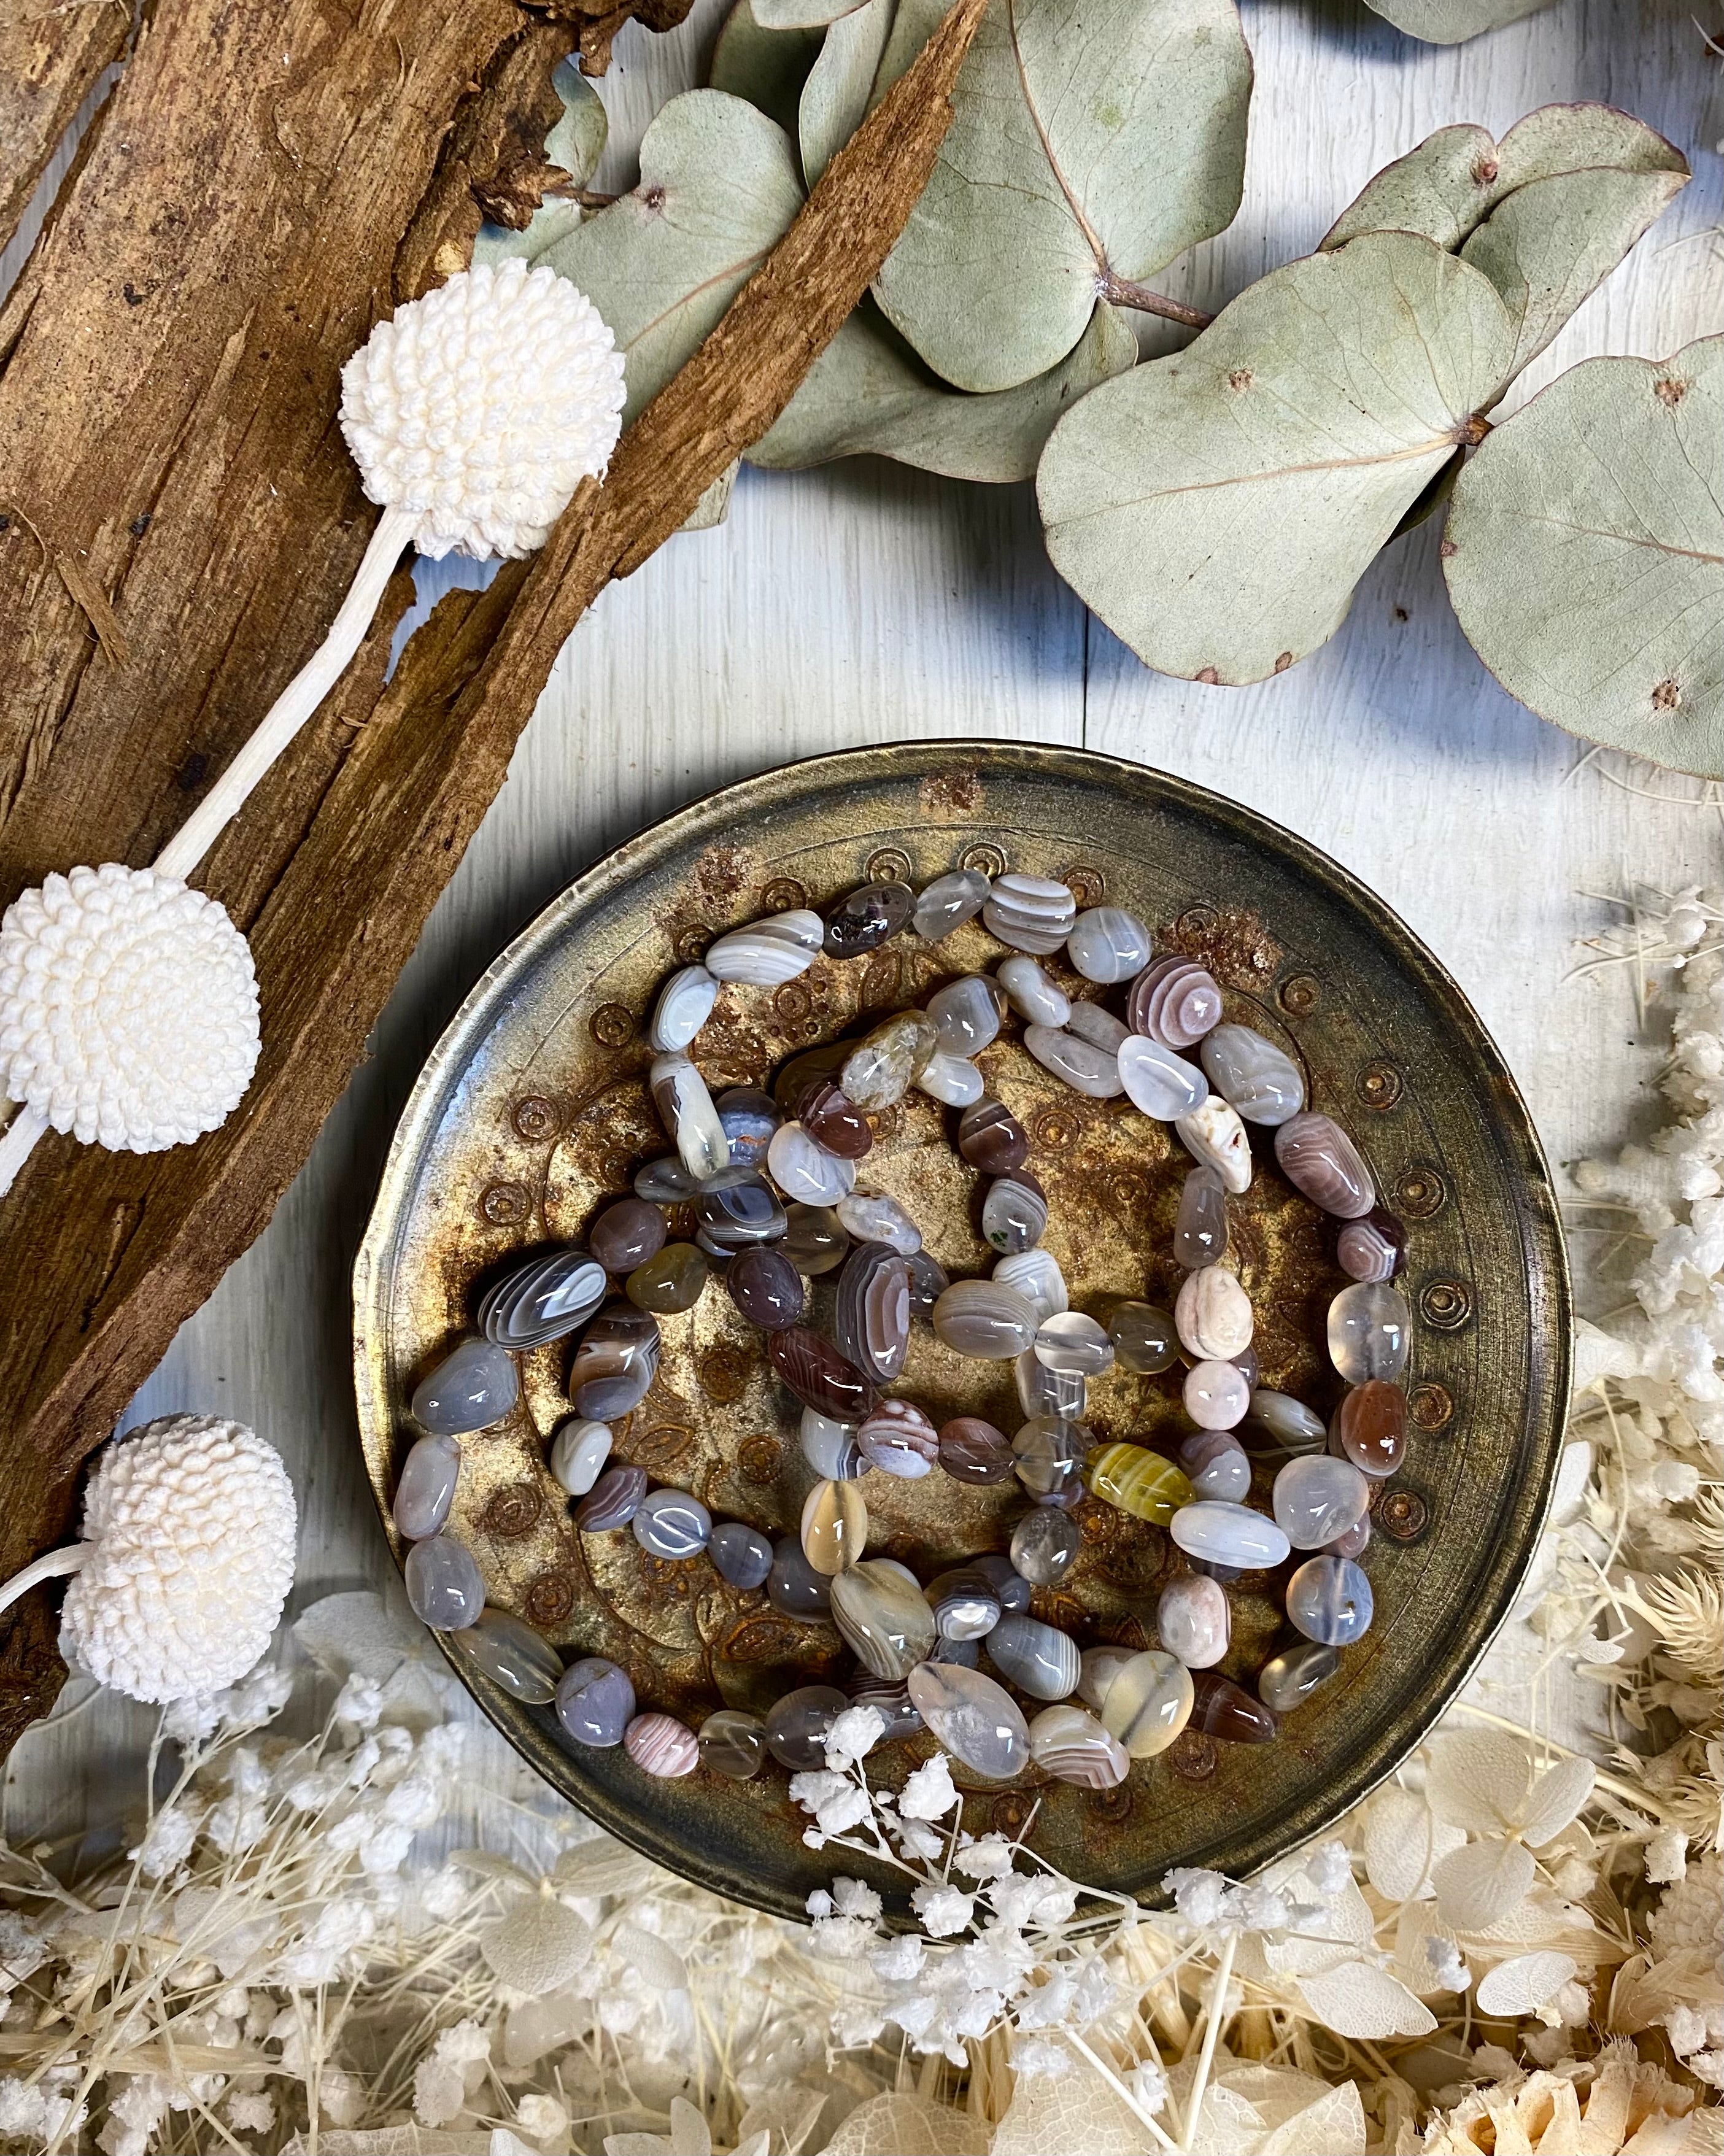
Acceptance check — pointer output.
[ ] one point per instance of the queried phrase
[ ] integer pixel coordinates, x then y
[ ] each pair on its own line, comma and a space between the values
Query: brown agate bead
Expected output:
1173, 1002
820, 1377
865, 920
766, 1287
626, 1234
1220, 1708
832, 1121
1318, 1158
1373, 1248
991, 1137
801, 1072
1371, 1427
973, 1450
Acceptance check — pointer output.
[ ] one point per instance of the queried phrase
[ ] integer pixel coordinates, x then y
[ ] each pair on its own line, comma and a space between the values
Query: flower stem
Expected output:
1122, 292
1215, 2013
52, 1564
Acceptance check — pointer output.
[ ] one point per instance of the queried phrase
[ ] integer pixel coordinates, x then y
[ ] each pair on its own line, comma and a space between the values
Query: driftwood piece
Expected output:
197, 474
51, 58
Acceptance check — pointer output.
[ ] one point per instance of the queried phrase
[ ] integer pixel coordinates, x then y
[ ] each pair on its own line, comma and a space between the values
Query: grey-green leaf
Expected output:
835, 97
868, 392
1217, 508
1584, 554
1452, 22
576, 142
768, 67
718, 189
799, 14
1086, 141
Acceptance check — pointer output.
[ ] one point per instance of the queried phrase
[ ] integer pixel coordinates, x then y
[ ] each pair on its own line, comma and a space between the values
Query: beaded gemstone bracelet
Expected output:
772, 1178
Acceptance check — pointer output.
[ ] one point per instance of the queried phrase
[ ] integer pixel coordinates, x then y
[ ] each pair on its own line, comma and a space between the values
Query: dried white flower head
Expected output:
128, 1008
481, 407
188, 1542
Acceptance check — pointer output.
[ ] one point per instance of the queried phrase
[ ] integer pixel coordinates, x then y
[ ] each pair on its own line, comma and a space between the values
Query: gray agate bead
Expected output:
884, 1618
1087, 1068
888, 1700
1200, 1231
981, 1319
964, 1603
1163, 1085
542, 1300
733, 1744
1008, 1583
1290, 1423
951, 1081
665, 1182
595, 1702
803, 1169
1072, 1344
871, 1316
1048, 1454
1044, 1392
1100, 1028
476, 1385
670, 1523
1107, 944
1214, 1136
830, 1448
1328, 1600
512, 1655
1316, 1499
967, 1014
864, 919
1370, 1330
947, 903
1031, 913
444, 1583
1289, 1679
975, 1719
1073, 1747
1262, 1083
737, 1209
426, 1488
740, 1554
688, 1113
793, 1587
871, 1216
616, 1362
1038, 1658
1036, 999
578, 1452
612, 1500
1320, 1159
1046, 1544
1193, 1620
1232, 1535
1035, 1274
749, 1118
684, 1006
1014, 1213
797, 1726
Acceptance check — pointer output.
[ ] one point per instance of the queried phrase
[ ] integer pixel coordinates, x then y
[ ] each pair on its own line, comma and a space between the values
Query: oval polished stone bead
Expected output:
1100, 1028
741, 1554
1200, 1228
1163, 1085
1354, 1542
578, 1452
835, 1124
964, 1603
1037, 998
1134, 1479
1097, 1669
687, 1111
1372, 1249
872, 1216
1320, 1159
476, 1385
1287, 1680
684, 1006
673, 1281
973, 1717
973, 1450
881, 1069
626, 1234
898, 1439
1232, 1535
834, 1527
1072, 1343
1217, 1465
871, 1314
1175, 1001
1214, 1135
891, 1701
1080, 1064
665, 1182
767, 1288
444, 1583
1031, 913
886, 1619
1371, 1427
512, 1655
796, 1725
1048, 1455
616, 1361
951, 1081
1221, 1709
864, 919
805, 1170
983, 1319
1014, 1211
768, 954
1216, 1395
1036, 1275
612, 1500
739, 1208
1147, 1703
733, 1744
544, 1298
830, 1448
1317, 1498
1143, 1336
1038, 1658
991, 1137
670, 1523
1073, 1747
1249, 1368
793, 1587
1328, 1600
425, 1489
1370, 1330
1193, 1620
748, 1118
928, 1282
1107, 944
1292, 1425
947, 903
1213, 1315
595, 1702
1046, 1544
1263, 1084
1008, 1583
661, 1746
820, 1376
967, 1014
814, 1239
1044, 1392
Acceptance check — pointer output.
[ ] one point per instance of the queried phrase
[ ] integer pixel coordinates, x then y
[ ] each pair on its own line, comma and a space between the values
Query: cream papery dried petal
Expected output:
1557, 1797
1359, 2000
1403, 1841
1481, 1882
1478, 1779
537, 1947
1522, 1984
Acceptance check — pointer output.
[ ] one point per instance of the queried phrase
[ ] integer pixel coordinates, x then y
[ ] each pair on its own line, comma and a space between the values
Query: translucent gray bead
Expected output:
626, 1234
1100, 1028
512, 1655
892, 1700
595, 1702
443, 1583
947, 903
1144, 1340
684, 1006
665, 1182
1073, 1344
542, 1300
797, 1726
871, 1216
1228, 1534
871, 1316
1031, 913
426, 1488
1031, 993
951, 1081
981, 1319
1370, 1328
1200, 1230
748, 1118
928, 1282
1318, 1158
814, 1239
884, 1618
864, 919
1048, 1455
964, 1603
733, 1744
1164, 1085
1289, 1679
793, 1587
612, 1502
1097, 1669
1328, 1600
967, 1014
1008, 1583
1035, 1274
975, 1719
765, 955
1262, 1083
1289, 1422
686, 1110
616, 1360
1046, 1544
1087, 1068
1217, 1465
670, 1523
1317, 1499
1193, 1620
1014, 1213
1073, 1747
476, 1385
739, 1553
737, 1208
830, 1447
578, 1452
1038, 1658
1044, 1392
1214, 1136
804, 1171
1108, 944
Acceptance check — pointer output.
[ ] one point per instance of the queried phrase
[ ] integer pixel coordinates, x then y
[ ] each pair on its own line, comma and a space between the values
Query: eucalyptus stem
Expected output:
1124, 292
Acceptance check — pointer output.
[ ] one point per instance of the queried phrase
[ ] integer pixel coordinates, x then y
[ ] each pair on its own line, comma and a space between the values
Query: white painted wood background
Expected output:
864, 602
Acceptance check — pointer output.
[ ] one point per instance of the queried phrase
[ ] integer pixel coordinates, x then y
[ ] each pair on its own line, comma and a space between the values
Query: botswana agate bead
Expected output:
1143, 1336
444, 1583
1011, 1585
1107, 944
768, 953
1044, 1546
1147, 1703
863, 921
1097, 1668
426, 1488
733, 1743
1217, 1464
1038, 1658
1317, 1498
947, 903
661, 1746
737, 1209
1073, 1747
795, 1726
1175, 1002
964, 1603
834, 1527
1319, 1159
793, 1587
615, 1363
834, 1123
686, 1109
1373, 1248
1216, 1395
1329, 1600
991, 1137
871, 1317
899, 1440
884, 1618
973, 1450
626, 1234
1031, 913
1193, 1620
830, 1448
1037, 999
767, 1288
749, 1118
1371, 1427
1014, 1213
1263, 1084
1220, 1708
973, 1717
1134, 1479
1370, 1329
1214, 1135
578, 1452
967, 1014
1288, 1423
1200, 1230
595, 1702
1035, 1274
475, 1385
804, 1170
1162, 1084
981, 1319
1087, 1068
612, 1502
512, 1655
684, 1006
819, 1376
1287, 1680
889, 1700
544, 1298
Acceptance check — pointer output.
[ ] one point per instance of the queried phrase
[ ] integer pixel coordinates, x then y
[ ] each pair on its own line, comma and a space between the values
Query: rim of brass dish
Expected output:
533, 1106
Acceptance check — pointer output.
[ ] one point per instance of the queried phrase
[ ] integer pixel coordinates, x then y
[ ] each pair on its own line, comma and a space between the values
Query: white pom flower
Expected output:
480, 408
128, 1008
186, 1558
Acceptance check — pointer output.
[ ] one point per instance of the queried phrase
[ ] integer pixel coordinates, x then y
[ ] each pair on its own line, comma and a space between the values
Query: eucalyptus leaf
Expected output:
1584, 558
835, 97
1088, 143
799, 14
768, 67
869, 393
718, 189
1452, 22
1216, 508
576, 142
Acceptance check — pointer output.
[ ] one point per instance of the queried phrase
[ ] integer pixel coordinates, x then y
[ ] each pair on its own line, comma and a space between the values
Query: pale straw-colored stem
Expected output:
1212, 2030
52, 1564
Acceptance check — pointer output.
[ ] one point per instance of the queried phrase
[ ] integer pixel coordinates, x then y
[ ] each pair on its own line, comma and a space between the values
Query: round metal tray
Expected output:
533, 1107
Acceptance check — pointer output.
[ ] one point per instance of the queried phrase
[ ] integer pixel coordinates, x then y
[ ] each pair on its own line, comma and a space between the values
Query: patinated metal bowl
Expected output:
533, 1108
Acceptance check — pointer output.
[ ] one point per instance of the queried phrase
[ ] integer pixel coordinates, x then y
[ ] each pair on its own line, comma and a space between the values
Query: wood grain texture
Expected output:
50, 60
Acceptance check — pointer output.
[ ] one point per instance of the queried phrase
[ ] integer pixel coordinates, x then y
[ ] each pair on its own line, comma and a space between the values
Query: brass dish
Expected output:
533, 1106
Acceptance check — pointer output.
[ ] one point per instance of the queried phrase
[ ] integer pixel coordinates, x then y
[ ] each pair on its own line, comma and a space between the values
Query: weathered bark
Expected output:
196, 472
50, 60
